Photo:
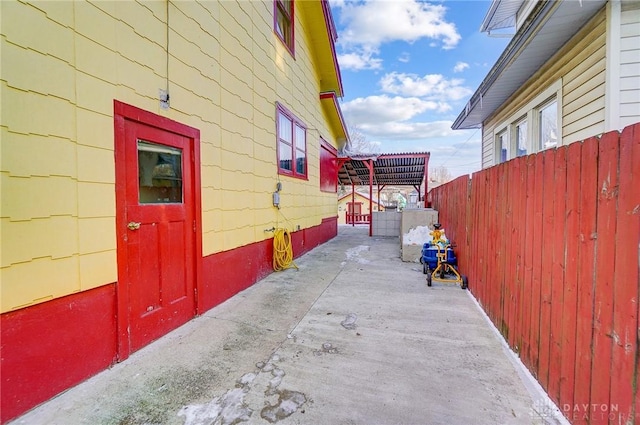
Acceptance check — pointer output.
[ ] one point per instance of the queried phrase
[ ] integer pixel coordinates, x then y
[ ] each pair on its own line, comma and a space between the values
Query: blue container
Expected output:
430, 256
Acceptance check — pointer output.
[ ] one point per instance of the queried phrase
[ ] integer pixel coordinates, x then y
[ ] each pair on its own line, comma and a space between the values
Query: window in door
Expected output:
159, 173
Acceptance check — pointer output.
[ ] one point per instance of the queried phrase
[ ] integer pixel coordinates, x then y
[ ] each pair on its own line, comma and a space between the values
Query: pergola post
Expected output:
369, 164
426, 180
353, 205
386, 169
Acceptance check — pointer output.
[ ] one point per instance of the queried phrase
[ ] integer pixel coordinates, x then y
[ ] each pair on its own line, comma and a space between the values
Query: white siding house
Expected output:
571, 71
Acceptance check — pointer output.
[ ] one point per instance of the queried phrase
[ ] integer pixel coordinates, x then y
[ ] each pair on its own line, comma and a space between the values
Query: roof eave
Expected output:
511, 51
501, 15
323, 34
333, 112
474, 113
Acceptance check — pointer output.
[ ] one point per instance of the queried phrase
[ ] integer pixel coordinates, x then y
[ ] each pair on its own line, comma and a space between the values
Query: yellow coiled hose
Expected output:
282, 250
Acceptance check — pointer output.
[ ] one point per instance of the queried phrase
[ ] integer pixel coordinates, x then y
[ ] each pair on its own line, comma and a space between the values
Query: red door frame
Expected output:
122, 113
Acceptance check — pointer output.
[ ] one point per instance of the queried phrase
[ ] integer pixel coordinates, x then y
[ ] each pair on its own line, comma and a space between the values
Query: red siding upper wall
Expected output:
328, 168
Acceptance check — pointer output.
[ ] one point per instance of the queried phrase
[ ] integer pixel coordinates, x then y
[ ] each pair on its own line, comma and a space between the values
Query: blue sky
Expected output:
408, 69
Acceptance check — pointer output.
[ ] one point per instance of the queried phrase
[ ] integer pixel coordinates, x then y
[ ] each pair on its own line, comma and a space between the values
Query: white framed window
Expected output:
533, 128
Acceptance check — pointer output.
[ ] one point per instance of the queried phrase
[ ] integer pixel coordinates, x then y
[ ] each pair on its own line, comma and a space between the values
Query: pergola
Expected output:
397, 169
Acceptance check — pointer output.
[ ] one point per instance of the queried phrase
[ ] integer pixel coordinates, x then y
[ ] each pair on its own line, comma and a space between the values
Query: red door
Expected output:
355, 208
156, 227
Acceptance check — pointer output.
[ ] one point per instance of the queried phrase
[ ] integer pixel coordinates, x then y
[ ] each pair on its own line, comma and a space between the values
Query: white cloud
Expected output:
460, 66
431, 86
462, 157
468, 149
408, 130
385, 117
370, 23
359, 61
404, 57
377, 109
373, 22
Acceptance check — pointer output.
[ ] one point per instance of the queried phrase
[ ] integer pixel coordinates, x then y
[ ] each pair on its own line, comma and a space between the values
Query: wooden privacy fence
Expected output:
551, 245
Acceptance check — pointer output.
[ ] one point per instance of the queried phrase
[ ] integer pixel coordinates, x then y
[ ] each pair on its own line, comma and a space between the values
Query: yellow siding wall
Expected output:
63, 64
580, 65
343, 207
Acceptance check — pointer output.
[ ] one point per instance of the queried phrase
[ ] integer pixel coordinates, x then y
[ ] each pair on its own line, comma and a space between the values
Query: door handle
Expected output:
133, 225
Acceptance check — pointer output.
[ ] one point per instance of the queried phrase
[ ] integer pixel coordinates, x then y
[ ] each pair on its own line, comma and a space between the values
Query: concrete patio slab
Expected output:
353, 337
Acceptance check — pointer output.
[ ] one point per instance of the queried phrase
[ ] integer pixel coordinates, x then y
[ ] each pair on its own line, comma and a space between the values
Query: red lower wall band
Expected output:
50, 347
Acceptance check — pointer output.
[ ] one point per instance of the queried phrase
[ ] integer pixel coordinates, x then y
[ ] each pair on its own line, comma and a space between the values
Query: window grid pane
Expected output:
284, 128
287, 6
549, 126
301, 138
284, 21
521, 138
301, 144
503, 146
301, 162
284, 153
282, 28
